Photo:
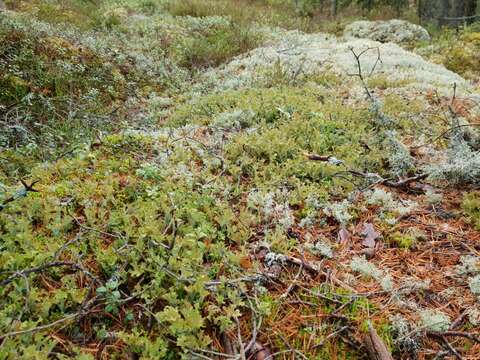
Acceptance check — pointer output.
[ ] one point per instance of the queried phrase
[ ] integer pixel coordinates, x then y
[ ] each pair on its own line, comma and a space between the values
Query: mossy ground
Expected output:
158, 211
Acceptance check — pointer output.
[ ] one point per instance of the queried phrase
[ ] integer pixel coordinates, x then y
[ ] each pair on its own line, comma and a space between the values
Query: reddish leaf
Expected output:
371, 235
344, 236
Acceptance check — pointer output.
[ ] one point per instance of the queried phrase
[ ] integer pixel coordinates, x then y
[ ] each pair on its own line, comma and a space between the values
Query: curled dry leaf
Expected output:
344, 236
370, 234
246, 262
369, 252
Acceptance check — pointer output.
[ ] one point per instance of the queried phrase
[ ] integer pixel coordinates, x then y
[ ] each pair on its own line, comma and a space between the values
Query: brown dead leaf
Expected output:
246, 262
370, 234
344, 236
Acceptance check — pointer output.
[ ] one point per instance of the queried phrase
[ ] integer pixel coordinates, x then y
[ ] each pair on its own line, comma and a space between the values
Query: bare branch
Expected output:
43, 267
20, 193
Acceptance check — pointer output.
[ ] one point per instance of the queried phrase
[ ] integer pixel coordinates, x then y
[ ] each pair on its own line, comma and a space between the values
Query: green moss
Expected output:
456, 49
62, 93
78, 13
403, 241
471, 207
383, 82
215, 47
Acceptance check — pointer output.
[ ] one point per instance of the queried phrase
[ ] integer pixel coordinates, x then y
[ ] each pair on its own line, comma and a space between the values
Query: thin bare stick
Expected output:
243, 356
83, 311
43, 267
329, 336
20, 193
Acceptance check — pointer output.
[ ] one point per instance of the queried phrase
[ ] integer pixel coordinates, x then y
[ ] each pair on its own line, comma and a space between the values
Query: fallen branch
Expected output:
403, 183
326, 158
24, 273
442, 337
466, 335
20, 193
452, 350
376, 348
378, 179
302, 263
82, 312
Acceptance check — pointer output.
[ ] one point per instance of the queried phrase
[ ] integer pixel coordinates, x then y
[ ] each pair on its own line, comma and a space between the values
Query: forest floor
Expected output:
234, 180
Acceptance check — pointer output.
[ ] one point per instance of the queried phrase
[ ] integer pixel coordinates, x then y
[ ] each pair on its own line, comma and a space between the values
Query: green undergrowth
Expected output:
153, 219
457, 50
53, 92
62, 85
471, 207
156, 217
79, 13
113, 208
154, 191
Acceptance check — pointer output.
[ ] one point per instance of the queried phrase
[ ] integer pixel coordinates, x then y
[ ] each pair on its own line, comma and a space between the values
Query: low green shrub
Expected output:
471, 207
216, 47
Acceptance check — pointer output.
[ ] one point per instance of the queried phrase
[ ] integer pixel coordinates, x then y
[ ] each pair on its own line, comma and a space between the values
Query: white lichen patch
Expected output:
469, 264
319, 247
387, 202
474, 285
433, 197
369, 270
234, 121
273, 206
317, 53
395, 30
340, 211
434, 320
405, 337
474, 316
460, 164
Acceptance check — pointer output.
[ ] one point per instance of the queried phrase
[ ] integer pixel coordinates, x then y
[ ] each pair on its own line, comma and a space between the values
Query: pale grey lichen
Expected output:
235, 120
317, 53
367, 269
340, 211
469, 264
413, 285
395, 30
381, 119
434, 320
400, 160
460, 166
474, 316
382, 198
432, 197
404, 335
273, 258
474, 285
386, 201
273, 206
321, 247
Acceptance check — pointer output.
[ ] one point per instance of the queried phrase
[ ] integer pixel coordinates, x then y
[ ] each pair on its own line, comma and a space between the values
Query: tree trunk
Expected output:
433, 11
334, 7
447, 12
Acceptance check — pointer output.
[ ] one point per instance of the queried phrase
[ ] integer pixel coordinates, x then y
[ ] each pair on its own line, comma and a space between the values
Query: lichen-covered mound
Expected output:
297, 54
396, 31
